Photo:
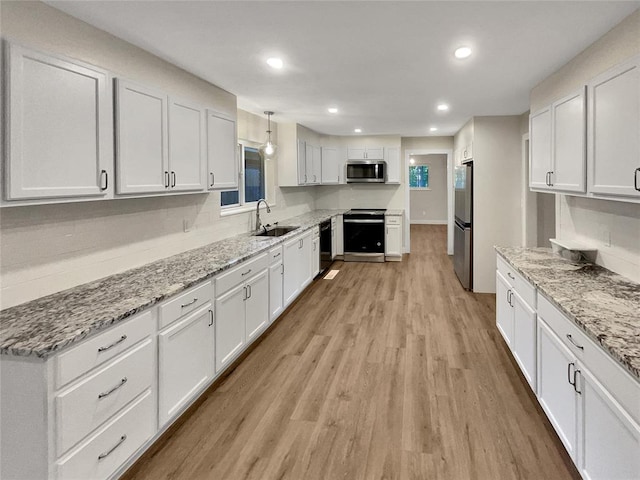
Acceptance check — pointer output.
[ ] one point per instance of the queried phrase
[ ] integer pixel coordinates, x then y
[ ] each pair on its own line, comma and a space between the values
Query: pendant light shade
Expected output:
268, 149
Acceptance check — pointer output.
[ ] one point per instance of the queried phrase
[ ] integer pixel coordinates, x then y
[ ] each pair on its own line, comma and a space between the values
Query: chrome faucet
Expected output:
258, 223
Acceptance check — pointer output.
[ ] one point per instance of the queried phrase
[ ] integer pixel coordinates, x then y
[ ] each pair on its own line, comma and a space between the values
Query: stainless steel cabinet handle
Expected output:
315, 180
276, 255
570, 375
551, 178
166, 179
282, 270
173, 179
575, 382
109, 392
104, 175
244, 296
511, 276
185, 305
210, 318
104, 349
635, 179
570, 338
213, 178
248, 291
108, 452
246, 273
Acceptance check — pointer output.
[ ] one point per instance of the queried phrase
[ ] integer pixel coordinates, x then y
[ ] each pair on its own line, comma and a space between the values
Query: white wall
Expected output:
587, 219
430, 205
48, 248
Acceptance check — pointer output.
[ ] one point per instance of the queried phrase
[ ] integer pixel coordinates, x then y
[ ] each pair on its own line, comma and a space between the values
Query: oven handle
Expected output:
362, 221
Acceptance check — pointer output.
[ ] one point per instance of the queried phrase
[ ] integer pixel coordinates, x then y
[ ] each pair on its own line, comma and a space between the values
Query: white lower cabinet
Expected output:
504, 312
610, 437
524, 338
276, 274
297, 266
242, 308
556, 393
315, 253
185, 361
393, 238
334, 237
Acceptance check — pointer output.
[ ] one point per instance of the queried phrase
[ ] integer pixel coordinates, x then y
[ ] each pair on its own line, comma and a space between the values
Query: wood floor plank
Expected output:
388, 371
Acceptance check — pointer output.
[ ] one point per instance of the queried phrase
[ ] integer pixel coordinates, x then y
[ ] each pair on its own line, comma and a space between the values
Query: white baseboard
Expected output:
428, 222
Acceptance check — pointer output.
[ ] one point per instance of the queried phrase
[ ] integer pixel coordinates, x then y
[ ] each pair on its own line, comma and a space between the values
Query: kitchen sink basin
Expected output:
276, 231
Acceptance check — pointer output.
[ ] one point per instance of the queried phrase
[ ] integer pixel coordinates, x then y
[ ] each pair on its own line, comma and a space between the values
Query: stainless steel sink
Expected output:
276, 232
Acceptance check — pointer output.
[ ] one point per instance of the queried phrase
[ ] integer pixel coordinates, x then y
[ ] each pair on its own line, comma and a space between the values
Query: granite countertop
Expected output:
394, 212
605, 305
47, 325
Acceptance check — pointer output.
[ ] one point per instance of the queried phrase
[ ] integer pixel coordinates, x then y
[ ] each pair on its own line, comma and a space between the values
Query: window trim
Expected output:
242, 206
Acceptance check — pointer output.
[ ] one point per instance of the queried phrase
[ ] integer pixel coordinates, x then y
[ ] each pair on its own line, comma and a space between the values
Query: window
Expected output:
419, 176
252, 183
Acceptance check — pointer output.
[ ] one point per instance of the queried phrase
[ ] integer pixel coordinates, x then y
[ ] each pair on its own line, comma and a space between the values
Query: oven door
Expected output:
364, 237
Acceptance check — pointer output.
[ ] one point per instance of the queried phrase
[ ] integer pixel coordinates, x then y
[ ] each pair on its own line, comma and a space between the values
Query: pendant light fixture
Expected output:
268, 149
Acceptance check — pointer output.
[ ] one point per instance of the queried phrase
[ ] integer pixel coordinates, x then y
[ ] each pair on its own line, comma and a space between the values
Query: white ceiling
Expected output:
385, 65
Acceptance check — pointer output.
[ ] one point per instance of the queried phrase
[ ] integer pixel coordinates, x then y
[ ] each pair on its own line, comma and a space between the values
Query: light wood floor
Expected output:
389, 371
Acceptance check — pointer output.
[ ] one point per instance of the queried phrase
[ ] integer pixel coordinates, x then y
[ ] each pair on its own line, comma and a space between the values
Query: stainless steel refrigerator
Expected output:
463, 228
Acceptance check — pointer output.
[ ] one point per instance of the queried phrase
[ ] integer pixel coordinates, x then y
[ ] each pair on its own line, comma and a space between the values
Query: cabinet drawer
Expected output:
92, 401
526, 291
392, 220
275, 255
622, 386
100, 456
97, 350
185, 303
242, 272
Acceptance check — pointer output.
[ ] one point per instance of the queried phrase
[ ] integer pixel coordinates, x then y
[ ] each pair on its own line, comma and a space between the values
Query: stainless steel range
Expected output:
364, 235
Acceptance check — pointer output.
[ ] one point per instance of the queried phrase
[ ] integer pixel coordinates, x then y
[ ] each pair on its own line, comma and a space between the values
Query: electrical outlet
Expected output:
606, 238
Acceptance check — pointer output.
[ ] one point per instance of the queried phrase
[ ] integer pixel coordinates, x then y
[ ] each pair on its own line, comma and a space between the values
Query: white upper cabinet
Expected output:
302, 161
613, 148
186, 145
569, 172
141, 139
222, 158
557, 145
313, 164
392, 158
371, 153
59, 127
331, 165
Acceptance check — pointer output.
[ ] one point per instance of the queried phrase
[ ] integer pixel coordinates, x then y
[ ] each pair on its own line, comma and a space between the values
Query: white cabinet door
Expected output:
376, 153
305, 260
222, 153
339, 235
330, 165
257, 304
504, 310
291, 261
557, 396
186, 129
230, 326
613, 127
334, 237
59, 135
276, 274
302, 162
393, 164
524, 338
316, 169
540, 149
185, 361
315, 257
393, 240
610, 438
569, 170
141, 139
356, 153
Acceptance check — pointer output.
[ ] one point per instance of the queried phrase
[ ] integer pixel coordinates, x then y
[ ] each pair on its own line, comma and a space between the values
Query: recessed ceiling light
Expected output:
462, 52
433, 129
412, 161
357, 130
443, 107
275, 62
332, 110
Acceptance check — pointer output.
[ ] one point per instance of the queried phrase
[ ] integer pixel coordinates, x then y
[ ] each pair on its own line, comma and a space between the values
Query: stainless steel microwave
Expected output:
366, 171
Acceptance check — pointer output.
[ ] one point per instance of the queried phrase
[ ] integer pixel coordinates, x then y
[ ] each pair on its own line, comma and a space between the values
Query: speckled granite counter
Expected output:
602, 303
45, 326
